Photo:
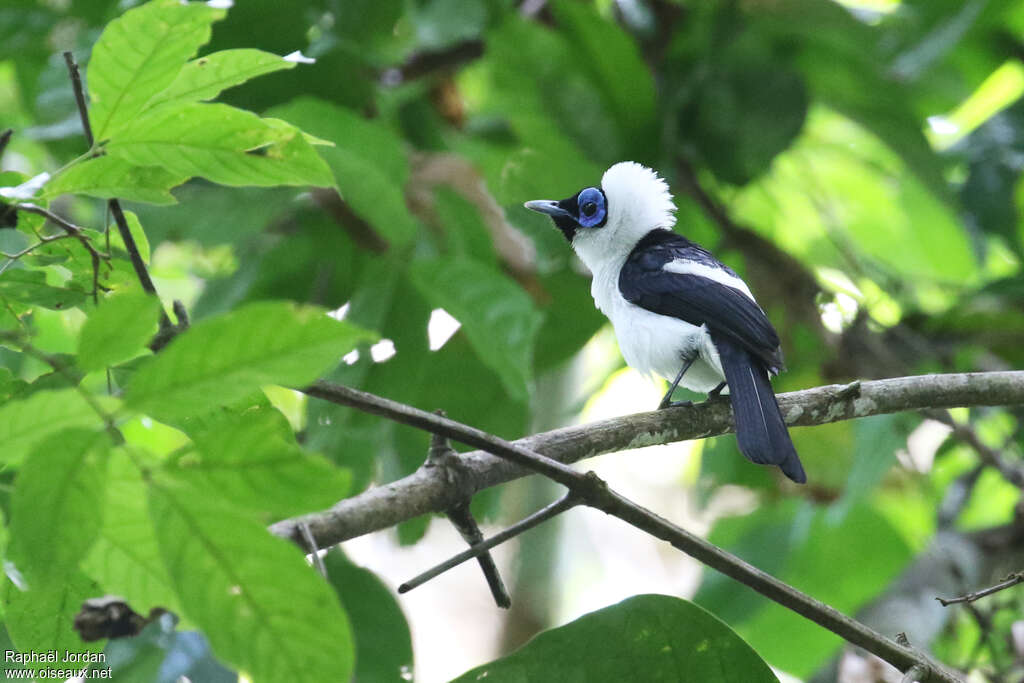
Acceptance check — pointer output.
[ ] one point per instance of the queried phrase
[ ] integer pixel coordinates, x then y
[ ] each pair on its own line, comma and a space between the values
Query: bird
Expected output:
678, 312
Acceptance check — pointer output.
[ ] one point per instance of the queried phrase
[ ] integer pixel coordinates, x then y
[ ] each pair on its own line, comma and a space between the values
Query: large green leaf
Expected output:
220, 143
368, 162
643, 638
231, 574
25, 422
803, 546
383, 641
618, 72
496, 314
109, 177
30, 287
40, 616
125, 558
251, 459
224, 358
117, 329
140, 54
206, 77
57, 503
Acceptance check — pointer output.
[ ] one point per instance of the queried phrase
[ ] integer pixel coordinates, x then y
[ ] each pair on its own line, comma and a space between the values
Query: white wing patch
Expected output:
685, 267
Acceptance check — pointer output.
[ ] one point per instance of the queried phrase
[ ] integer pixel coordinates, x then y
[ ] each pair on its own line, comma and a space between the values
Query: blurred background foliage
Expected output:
858, 162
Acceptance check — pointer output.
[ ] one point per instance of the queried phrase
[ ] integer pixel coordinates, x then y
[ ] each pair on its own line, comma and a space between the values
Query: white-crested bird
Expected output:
677, 311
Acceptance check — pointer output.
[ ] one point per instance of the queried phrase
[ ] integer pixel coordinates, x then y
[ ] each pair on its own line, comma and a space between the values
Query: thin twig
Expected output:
5, 137
115, 206
74, 231
1009, 582
591, 491
11, 258
441, 454
59, 367
314, 551
76, 85
558, 507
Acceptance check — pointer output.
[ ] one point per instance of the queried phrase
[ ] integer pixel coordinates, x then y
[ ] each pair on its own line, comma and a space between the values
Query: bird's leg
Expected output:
667, 402
716, 393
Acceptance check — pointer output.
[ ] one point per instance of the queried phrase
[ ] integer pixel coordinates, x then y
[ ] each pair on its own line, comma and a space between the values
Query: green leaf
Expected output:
109, 177
224, 358
746, 114
806, 553
222, 144
117, 329
206, 77
496, 314
617, 70
40, 618
229, 573
251, 459
140, 54
30, 287
125, 559
26, 422
368, 162
383, 642
137, 233
57, 503
643, 638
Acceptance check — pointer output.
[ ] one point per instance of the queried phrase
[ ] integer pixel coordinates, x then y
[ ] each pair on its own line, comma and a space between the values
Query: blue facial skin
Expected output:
591, 207
585, 209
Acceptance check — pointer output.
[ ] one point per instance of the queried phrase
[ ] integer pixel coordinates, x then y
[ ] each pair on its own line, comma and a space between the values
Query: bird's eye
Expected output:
591, 204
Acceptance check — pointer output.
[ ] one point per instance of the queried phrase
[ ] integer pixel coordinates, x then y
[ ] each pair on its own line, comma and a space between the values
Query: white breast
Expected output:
656, 344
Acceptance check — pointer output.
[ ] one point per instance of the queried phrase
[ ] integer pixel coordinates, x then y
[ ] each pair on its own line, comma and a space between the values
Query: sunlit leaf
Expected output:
204, 78
57, 503
109, 177
140, 54
25, 422
222, 144
117, 329
229, 572
227, 357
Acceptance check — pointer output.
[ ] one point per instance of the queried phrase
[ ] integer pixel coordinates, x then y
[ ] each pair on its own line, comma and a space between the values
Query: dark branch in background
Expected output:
988, 455
1009, 582
5, 137
422, 64
115, 206
849, 401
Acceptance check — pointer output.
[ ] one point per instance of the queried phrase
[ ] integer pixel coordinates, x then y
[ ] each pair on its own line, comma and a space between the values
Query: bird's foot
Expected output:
674, 404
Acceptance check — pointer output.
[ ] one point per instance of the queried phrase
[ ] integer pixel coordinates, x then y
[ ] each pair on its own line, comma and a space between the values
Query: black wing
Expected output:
698, 300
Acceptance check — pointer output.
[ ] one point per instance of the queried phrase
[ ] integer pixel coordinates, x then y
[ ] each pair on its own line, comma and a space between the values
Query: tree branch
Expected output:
1010, 581
854, 400
427, 489
115, 206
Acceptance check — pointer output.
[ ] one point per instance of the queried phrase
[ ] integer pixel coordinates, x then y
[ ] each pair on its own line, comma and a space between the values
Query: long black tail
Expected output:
760, 430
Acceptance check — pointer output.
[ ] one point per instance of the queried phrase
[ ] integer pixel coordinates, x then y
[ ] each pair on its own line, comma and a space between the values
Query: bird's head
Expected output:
604, 223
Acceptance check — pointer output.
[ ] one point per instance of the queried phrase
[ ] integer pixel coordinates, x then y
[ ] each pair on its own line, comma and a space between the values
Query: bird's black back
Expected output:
696, 299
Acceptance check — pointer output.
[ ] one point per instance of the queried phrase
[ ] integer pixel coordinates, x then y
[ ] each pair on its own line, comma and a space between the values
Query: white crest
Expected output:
638, 201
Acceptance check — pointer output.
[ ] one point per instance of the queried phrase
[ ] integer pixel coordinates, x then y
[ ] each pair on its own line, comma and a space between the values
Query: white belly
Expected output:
656, 344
